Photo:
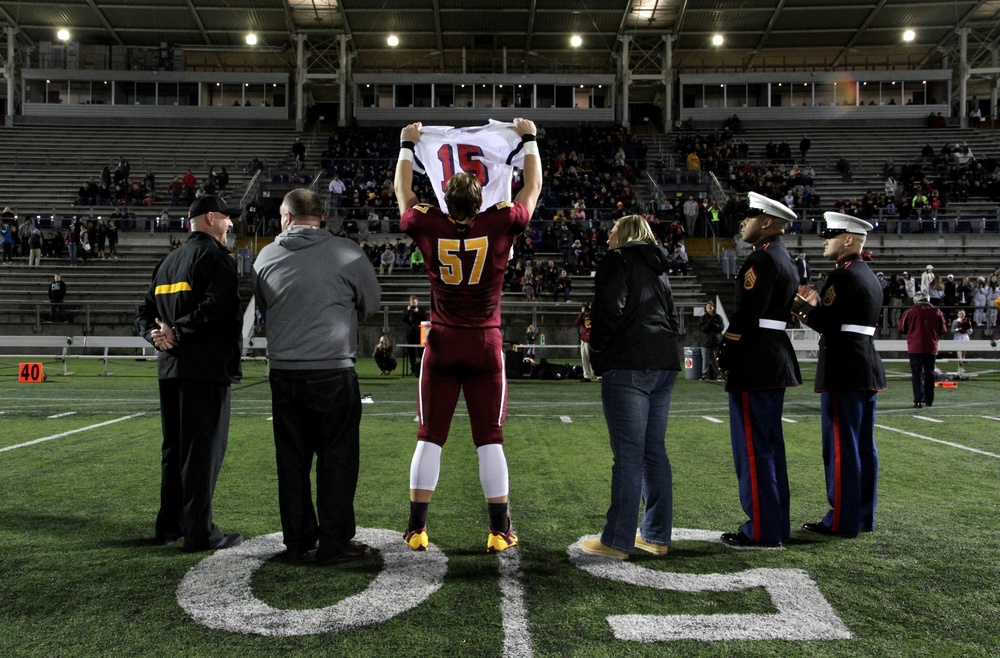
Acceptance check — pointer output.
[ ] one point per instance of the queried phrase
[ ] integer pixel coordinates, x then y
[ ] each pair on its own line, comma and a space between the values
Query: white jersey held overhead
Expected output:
489, 152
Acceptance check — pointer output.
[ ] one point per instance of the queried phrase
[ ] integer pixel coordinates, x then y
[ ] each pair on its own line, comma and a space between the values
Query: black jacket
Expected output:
757, 358
633, 319
848, 360
195, 290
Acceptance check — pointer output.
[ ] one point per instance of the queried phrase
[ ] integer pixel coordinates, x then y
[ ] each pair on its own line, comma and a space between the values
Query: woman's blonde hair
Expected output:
634, 227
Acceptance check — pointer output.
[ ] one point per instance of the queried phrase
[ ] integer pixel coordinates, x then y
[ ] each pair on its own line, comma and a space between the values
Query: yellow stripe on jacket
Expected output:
171, 288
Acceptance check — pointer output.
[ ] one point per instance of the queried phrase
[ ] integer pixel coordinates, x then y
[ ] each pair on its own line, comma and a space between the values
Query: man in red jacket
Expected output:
923, 325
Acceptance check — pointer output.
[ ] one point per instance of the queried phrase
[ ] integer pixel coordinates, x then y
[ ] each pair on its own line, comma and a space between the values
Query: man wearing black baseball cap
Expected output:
191, 314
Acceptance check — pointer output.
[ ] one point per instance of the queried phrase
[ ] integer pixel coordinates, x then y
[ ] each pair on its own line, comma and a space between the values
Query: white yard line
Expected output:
62, 434
927, 438
788, 420
566, 419
928, 419
517, 642
986, 417
712, 419
62, 415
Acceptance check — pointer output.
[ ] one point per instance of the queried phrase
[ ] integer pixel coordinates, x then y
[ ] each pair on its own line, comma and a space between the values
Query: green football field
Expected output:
79, 575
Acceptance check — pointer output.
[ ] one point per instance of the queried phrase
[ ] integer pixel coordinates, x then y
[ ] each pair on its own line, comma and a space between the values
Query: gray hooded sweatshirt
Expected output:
312, 288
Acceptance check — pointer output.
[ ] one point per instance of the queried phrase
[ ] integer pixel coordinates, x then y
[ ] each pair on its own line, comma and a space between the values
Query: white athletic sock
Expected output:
493, 470
425, 466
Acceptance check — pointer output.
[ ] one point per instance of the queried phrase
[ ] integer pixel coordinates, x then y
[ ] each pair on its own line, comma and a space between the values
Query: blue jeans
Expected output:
636, 404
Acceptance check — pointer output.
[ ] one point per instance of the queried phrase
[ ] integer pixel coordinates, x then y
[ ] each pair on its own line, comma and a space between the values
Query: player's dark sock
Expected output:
499, 521
418, 516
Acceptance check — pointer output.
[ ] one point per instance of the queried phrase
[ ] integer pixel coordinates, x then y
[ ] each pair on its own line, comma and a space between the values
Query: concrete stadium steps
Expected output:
865, 147
45, 165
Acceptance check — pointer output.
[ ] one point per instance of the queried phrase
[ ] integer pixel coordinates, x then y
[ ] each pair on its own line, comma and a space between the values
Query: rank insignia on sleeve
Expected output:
750, 279
830, 296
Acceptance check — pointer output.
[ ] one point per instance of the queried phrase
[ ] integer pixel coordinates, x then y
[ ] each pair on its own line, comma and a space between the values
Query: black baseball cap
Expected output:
212, 203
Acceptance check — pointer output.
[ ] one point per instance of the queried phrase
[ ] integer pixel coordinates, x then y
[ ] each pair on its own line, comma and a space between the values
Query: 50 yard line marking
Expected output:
947, 443
62, 434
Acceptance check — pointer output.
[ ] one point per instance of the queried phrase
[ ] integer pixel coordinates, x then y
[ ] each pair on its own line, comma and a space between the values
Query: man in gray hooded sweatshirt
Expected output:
312, 288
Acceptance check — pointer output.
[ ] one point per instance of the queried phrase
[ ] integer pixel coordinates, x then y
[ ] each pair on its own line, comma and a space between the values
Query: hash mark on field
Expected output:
566, 419
712, 419
270, 418
62, 434
947, 443
788, 420
986, 417
62, 415
929, 419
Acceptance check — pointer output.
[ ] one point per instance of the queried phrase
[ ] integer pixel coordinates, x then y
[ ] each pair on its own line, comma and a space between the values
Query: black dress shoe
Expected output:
741, 542
349, 553
821, 529
227, 541
296, 553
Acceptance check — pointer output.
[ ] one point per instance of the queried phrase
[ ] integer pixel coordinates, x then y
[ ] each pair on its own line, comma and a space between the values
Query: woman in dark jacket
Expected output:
710, 327
634, 323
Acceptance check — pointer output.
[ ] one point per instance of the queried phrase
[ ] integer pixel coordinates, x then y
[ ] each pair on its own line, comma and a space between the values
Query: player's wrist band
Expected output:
406, 144
531, 148
406, 154
527, 137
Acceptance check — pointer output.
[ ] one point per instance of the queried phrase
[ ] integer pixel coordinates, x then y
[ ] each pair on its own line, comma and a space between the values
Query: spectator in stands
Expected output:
895, 293
804, 146
255, 165
57, 297
802, 265
337, 189
927, 279
910, 287
528, 284
387, 261
101, 233
23, 231
7, 234
113, 239
936, 292
843, 167
416, 261
691, 210
530, 336
950, 290
384, 358
35, 247
979, 302
222, 179
299, 153
923, 325
678, 259
563, 286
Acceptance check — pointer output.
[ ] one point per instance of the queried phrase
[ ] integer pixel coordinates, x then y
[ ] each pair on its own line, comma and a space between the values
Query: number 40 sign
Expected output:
30, 373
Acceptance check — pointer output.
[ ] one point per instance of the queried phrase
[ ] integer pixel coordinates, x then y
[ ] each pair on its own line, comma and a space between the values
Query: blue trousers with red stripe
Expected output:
850, 459
759, 455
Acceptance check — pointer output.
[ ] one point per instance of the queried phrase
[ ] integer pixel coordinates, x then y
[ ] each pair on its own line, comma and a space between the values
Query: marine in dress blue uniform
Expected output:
849, 376
760, 364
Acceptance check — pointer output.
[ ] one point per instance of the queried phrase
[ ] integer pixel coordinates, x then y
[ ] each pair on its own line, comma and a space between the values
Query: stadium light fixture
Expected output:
717, 40
251, 39
576, 41
393, 40
909, 35
63, 34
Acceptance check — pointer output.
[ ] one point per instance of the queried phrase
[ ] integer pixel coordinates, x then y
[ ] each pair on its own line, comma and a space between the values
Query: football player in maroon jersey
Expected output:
465, 255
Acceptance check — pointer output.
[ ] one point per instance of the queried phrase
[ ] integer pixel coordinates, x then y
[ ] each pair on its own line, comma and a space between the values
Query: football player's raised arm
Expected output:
403, 184
528, 196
